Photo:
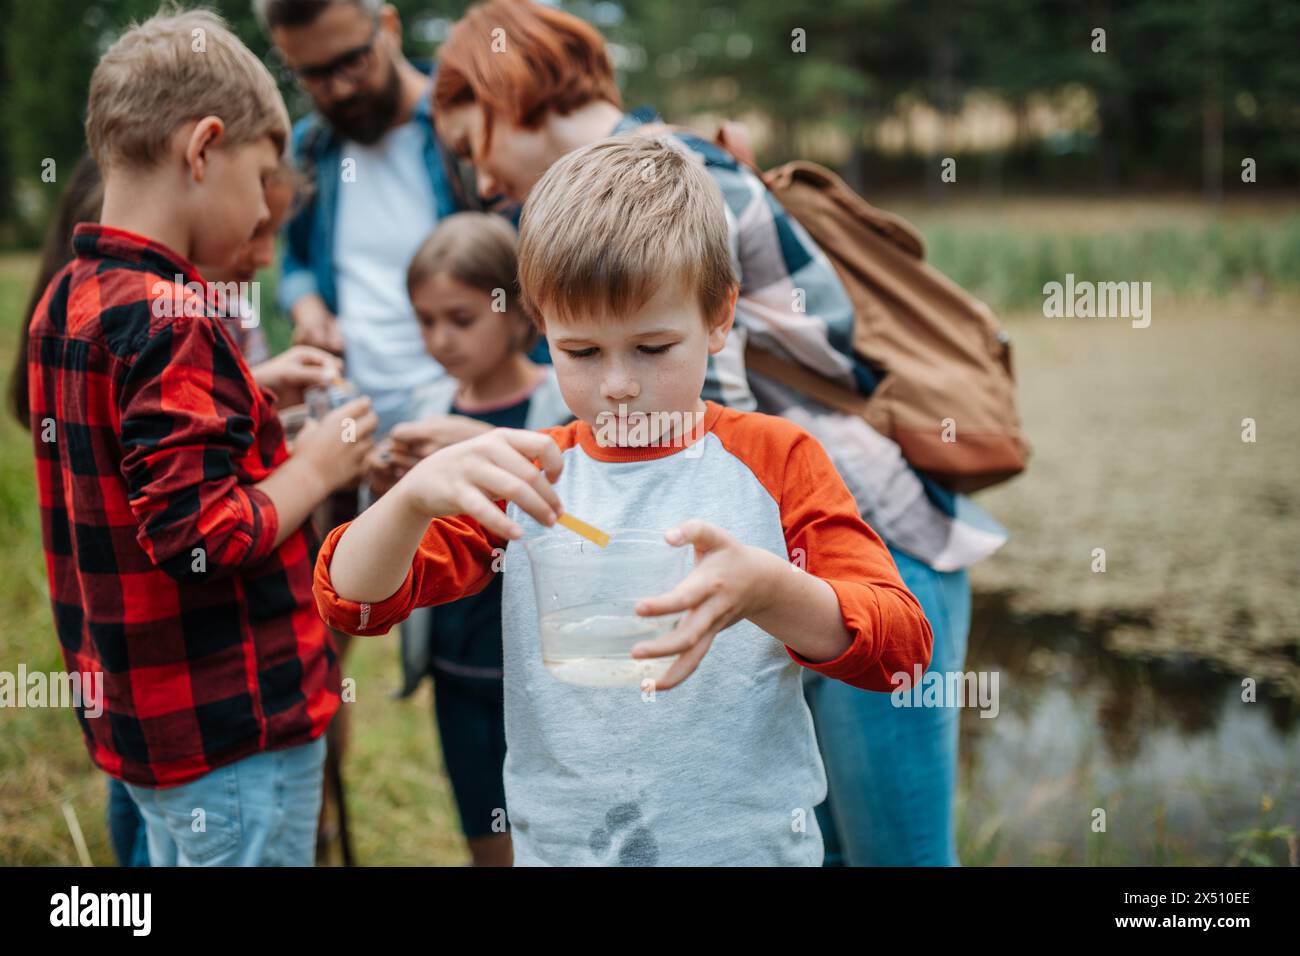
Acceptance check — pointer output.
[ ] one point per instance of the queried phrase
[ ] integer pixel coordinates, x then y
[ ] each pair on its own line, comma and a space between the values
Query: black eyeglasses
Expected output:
349, 65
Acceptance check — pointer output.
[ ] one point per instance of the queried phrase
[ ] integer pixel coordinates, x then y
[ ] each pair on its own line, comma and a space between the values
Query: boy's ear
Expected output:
721, 327
204, 138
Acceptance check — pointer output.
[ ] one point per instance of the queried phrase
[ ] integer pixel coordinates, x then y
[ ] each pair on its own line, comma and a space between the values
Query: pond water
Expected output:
1184, 769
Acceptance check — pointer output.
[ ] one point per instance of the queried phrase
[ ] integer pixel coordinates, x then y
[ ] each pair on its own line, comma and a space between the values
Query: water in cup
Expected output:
591, 645
586, 603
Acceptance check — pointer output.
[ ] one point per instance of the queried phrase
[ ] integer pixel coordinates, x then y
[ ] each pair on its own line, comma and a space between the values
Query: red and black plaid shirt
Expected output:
160, 552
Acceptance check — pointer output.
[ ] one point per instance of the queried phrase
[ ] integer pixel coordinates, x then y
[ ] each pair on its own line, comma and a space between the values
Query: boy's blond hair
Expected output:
611, 223
173, 68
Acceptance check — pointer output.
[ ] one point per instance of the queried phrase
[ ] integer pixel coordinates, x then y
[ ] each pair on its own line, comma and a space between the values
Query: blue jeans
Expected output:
259, 811
891, 771
126, 828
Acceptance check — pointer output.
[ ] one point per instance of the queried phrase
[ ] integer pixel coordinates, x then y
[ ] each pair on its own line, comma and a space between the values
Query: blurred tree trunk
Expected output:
856, 171
1110, 106
1212, 107
943, 94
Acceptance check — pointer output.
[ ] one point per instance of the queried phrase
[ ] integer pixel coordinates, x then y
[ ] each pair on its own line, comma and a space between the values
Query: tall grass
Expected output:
1005, 250
1008, 267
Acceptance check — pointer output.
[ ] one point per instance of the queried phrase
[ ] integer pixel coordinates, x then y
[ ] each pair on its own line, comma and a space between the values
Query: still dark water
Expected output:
1186, 772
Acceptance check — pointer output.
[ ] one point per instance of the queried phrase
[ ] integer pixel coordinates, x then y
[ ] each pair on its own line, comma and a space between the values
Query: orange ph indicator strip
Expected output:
592, 534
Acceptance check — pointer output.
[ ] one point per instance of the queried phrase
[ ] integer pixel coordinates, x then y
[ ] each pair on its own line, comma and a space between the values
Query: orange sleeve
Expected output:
825, 535
456, 558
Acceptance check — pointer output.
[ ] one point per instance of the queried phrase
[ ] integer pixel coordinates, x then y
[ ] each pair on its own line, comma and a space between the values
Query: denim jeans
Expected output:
891, 771
259, 811
126, 829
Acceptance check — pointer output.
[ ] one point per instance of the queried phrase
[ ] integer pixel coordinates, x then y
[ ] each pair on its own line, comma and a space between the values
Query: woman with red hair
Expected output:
518, 86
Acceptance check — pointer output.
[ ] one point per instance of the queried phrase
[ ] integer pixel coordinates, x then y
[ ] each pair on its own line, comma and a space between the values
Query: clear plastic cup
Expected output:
586, 603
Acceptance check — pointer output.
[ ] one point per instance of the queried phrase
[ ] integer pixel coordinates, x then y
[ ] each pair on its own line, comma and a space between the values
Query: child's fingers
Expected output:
413, 449
366, 425
483, 510
311, 355
535, 445
705, 536
403, 432
508, 459
382, 471
499, 483
310, 366
689, 593
689, 630
314, 363
685, 665
396, 456
412, 433
354, 409
402, 462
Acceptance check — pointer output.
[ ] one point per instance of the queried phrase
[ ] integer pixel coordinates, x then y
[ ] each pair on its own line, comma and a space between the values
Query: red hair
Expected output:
551, 62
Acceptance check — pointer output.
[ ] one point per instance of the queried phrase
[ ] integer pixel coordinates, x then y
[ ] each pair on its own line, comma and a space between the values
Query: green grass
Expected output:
1006, 254
42, 760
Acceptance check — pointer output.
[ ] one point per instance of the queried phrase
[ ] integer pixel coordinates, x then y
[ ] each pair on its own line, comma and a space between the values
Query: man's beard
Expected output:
365, 117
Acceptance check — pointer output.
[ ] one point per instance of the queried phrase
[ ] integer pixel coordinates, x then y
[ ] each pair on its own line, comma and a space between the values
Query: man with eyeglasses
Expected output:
381, 182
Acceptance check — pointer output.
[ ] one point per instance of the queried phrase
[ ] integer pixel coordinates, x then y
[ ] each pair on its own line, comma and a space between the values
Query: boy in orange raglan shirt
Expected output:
624, 263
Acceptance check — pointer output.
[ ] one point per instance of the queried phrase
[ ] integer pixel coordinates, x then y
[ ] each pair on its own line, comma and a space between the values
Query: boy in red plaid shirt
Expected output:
174, 519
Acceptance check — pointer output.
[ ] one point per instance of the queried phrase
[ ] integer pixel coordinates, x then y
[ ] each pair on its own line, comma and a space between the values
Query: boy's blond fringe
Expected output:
176, 67
611, 223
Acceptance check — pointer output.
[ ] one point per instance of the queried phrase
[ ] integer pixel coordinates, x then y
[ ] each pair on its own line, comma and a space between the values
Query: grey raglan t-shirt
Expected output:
724, 768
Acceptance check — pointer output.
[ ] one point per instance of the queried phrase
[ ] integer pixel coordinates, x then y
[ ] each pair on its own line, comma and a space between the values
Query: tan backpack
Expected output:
943, 358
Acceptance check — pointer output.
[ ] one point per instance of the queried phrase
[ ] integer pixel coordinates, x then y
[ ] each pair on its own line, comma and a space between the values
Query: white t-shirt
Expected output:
385, 210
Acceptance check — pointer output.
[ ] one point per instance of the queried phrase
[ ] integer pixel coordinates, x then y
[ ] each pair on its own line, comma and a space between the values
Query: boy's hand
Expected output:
297, 368
409, 442
386, 464
314, 324
470, 476
725, 586
422, 438
337, 445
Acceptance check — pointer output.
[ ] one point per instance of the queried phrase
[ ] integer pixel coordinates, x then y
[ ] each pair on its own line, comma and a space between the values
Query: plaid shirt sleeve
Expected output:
187, 422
